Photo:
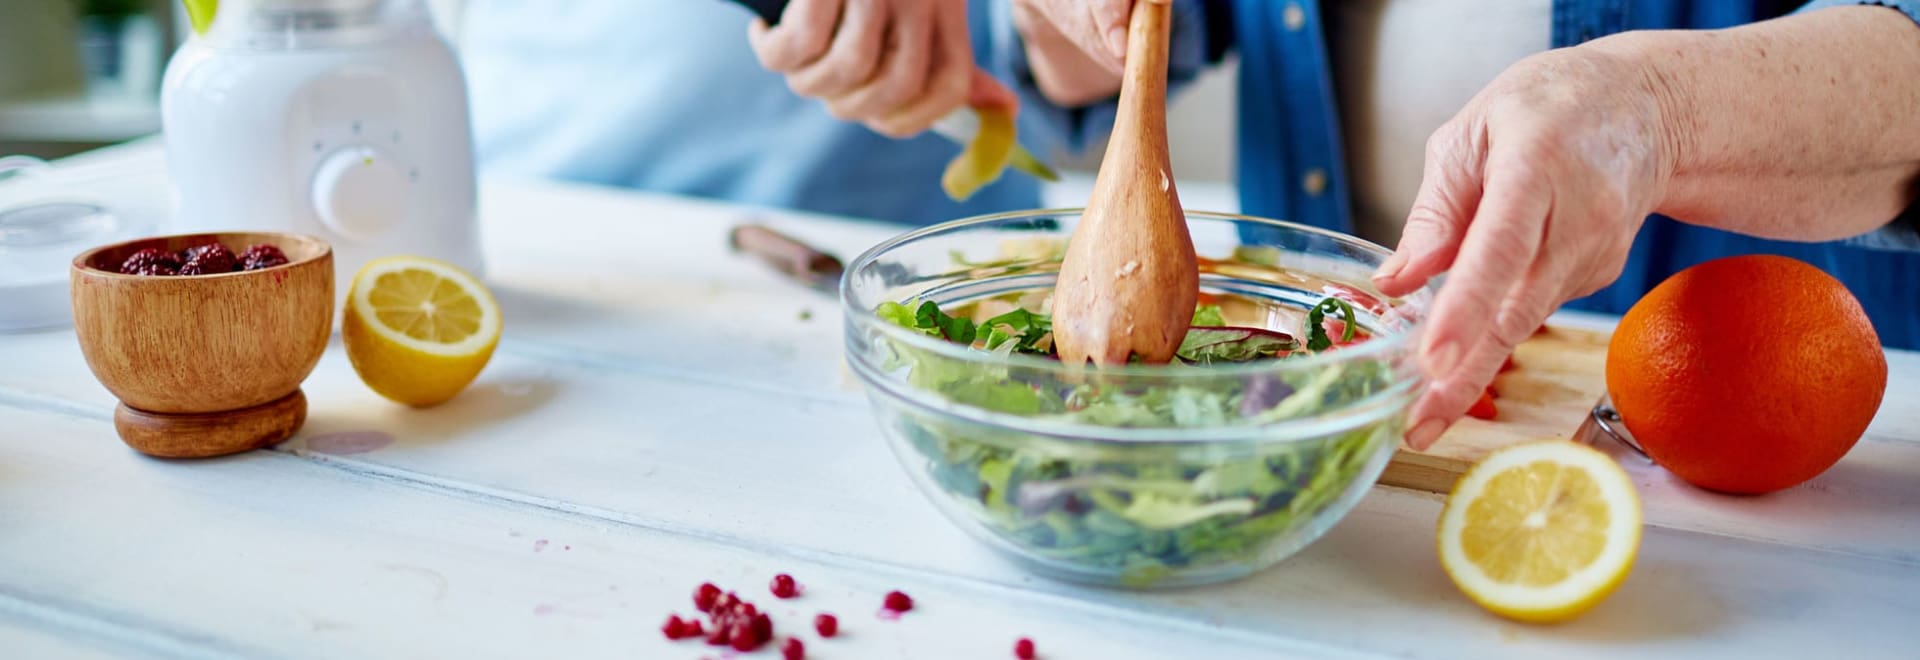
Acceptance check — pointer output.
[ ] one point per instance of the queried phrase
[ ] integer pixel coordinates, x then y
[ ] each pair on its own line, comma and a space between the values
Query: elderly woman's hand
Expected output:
1532, 196
895, 65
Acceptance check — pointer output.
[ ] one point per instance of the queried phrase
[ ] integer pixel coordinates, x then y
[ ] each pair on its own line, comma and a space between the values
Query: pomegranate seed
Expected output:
704, 597
762, 628
720, 635
692, 628
674, 628
784, 586
899, 602
744, 643
793, 649
826, 625
1023, 649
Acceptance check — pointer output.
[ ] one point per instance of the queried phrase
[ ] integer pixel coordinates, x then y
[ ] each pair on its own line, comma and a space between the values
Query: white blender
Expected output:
342, 119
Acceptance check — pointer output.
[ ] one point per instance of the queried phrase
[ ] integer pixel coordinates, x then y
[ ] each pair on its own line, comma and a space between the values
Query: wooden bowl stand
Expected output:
203, 435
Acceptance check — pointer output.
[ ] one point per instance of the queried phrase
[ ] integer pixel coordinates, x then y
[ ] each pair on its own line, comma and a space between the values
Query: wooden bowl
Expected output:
205, 365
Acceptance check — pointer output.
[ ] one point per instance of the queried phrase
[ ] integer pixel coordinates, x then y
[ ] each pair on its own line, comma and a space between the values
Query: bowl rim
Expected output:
81, 265
1173, 370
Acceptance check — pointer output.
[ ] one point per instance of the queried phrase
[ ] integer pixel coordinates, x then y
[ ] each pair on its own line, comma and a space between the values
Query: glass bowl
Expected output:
1142, 475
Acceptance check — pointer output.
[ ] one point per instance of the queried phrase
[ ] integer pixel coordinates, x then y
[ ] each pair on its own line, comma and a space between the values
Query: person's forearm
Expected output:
1801, 128
1061, 70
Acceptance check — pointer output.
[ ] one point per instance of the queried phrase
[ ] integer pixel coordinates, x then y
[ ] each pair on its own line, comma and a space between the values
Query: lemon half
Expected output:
419, 330
1541, 532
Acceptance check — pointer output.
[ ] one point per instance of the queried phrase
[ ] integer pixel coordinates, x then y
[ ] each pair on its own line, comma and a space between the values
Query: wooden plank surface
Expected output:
280, 555
608, 424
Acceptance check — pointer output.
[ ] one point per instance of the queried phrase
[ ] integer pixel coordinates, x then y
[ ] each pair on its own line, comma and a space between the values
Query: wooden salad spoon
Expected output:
1129, 280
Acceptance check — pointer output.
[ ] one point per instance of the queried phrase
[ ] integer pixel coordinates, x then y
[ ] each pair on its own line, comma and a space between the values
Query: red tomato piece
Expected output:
1483, 408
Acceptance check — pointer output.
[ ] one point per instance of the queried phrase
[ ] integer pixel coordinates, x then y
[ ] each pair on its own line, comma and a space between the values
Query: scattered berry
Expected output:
826, 625
704, 597
1023, 649
732, 622
784, 587
209, 259
898, 601
260, 256
762, 627
674, 628
793, 649
150, 261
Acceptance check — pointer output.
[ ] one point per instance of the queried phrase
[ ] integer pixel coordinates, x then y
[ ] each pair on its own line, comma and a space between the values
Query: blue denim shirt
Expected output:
1290, 132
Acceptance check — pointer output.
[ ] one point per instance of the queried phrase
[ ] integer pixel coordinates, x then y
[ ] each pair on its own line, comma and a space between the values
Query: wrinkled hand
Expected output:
1531, 197
895, 65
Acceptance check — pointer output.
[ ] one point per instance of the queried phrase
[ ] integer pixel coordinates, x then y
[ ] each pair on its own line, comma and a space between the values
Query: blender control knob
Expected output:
360, 192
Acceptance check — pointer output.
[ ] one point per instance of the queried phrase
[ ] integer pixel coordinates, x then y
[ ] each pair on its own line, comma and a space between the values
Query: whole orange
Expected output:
1747, 374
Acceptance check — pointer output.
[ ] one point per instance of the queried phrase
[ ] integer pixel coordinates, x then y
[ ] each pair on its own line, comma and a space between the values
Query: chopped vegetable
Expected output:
1150, 510
1483, 407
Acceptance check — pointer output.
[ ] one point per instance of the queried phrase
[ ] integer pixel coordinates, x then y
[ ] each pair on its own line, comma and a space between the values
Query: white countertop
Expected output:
661, 414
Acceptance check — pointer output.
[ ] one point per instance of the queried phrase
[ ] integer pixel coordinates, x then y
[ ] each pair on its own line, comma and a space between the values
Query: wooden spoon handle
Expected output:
1144, 90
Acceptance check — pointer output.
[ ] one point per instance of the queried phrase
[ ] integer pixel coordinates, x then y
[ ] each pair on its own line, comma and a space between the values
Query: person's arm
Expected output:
1804, 128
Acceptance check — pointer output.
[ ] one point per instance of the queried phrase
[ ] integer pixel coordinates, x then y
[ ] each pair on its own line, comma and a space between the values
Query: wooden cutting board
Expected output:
1557, 378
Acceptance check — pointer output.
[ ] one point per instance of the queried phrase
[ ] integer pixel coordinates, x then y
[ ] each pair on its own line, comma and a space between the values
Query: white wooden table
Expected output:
661, 413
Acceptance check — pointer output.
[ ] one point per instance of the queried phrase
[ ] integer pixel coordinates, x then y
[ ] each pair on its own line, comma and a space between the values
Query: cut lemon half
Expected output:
1541, 532
418, 330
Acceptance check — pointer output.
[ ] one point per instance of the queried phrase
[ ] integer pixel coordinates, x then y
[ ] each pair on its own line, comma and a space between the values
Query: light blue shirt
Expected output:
667, 96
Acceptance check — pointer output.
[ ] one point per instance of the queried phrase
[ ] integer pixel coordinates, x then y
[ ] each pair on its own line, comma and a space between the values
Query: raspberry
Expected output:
209, 259
262, 255
150, 261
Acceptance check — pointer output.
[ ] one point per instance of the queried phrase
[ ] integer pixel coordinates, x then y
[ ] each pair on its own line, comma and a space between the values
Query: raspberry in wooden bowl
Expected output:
205, 338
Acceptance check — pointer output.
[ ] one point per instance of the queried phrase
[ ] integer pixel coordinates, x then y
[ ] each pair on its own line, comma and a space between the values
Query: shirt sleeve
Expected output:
1904, 232
1194, 46
1909, 7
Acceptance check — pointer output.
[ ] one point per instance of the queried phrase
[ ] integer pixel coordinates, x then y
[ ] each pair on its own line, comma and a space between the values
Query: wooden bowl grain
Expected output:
205, 365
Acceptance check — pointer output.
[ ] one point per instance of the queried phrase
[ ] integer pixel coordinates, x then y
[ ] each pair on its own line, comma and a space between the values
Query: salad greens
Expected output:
1141, 512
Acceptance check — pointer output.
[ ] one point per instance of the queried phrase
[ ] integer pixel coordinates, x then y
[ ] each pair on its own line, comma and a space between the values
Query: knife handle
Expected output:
787, 254
767, 10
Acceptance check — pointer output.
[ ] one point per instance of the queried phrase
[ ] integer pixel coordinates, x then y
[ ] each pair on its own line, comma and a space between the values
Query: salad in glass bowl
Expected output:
1282, 407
